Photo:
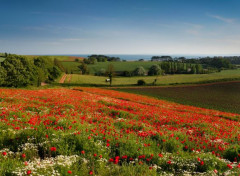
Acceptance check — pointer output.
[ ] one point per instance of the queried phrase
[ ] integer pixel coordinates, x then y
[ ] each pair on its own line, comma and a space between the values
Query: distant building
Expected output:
161, 58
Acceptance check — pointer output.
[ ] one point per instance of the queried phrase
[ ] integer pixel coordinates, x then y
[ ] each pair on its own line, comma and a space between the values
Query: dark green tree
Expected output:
110, 72
17, 69
154, 70
84, 69
3, 75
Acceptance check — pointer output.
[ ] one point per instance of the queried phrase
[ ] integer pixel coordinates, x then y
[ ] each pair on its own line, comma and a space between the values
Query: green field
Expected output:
118, 66
72, 66
60, 58
162, 80
220, 96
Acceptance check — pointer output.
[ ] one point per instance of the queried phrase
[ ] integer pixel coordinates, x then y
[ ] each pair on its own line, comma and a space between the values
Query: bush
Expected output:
127, 73
232, 152
141, 82
154, 70
140, 71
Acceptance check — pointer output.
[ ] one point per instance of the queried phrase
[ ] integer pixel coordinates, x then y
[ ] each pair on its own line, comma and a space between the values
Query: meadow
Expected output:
161, 80
118, 66
60, 58
224, 96
92, 131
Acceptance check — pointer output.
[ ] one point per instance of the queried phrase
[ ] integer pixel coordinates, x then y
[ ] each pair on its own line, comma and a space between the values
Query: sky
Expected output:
187, 27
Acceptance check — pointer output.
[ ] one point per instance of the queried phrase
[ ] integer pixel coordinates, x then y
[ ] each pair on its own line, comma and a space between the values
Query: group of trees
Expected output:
207, 62
100, 58
19, 71
167, 68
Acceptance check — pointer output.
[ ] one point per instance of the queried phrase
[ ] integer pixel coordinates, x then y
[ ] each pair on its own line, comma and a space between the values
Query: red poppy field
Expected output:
91, 131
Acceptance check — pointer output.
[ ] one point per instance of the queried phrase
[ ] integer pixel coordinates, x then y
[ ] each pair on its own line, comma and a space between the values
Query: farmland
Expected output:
60, 58
222, 96
162, 80
118, 66
90, 131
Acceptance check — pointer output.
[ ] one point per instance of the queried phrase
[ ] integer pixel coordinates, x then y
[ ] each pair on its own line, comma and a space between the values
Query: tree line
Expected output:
100, 58
207, 62
20, 71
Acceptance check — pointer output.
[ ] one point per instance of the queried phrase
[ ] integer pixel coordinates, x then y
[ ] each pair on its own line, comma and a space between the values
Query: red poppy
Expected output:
29, 172
53, 149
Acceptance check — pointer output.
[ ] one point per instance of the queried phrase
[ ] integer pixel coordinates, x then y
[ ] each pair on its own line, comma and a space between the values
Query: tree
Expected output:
84, 69
141, 82
59, 65
139, 71
55, 72
193, 69
198, 68
154, 70
41, 76
17, 71
110, 72
3, 75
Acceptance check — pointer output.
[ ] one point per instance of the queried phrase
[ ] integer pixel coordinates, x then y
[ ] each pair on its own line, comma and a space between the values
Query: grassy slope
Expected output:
162, 80
220, 96
61, 58
72, 66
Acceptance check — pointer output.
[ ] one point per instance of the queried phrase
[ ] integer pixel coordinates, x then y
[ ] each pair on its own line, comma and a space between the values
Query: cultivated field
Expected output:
222, 96
162, 80
90, 131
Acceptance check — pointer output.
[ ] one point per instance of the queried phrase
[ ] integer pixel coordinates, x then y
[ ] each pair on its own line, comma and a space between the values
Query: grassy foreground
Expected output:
162, 80
221, 96
89, 131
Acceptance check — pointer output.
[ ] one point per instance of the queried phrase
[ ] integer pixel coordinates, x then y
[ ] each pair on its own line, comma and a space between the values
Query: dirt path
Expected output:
63, 78
69, 78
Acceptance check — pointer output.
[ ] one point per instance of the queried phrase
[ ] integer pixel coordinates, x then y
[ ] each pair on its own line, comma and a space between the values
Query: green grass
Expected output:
72, 66
118, 66
60, 58
162, 80
219, 96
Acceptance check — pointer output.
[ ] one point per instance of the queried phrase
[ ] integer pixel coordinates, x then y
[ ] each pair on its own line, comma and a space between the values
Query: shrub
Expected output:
140, 71
154, 70
141, 82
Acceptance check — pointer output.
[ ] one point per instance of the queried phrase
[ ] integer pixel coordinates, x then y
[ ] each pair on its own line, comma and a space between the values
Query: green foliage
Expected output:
232, 152
103, 58
84, 68
59, 65
154, 70
141, 82
140, 71
20, 71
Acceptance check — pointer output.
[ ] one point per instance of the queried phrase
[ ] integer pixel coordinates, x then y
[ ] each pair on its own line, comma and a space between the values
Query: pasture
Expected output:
118, 66
161, 80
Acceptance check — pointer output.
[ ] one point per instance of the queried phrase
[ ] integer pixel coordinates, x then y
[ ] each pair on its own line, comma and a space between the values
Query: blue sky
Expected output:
189, 27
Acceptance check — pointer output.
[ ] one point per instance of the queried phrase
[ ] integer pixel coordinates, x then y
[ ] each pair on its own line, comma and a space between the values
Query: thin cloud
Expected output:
226, 20
72, 39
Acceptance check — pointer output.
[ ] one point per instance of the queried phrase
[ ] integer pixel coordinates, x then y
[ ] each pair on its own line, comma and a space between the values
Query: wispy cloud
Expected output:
72, 39
221, 18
